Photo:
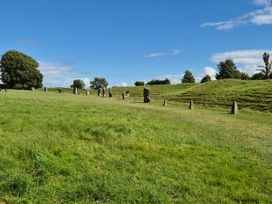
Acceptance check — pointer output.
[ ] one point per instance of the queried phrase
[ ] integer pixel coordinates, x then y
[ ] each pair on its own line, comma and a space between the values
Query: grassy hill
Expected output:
63, 148
256, 95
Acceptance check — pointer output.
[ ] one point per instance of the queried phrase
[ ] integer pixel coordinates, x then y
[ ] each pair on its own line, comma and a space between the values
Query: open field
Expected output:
62, 148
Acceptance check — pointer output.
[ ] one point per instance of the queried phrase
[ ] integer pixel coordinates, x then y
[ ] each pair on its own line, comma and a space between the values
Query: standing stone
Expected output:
191, 105
6, 90
32, 89
146, 95
75, 91
110, 92
60, 90
165, 103
99, 92
103, 92
45, 89
87, 92
234, 108
123, 95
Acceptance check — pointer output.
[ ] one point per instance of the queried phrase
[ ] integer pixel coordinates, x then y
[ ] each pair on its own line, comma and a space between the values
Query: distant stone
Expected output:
75, 91
191, 105
110, 92
45, 89
87, 92
146, 95
32, 89
234, 108
103, 92
165, 103
60, 90
6, 90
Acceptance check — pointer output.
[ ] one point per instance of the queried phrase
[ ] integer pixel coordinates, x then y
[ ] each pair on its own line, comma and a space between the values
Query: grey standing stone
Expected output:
32, 89
45, 89
87, 92
234, 108
103, 92
191, 105
165, 103
99, 92
146, 95
6, 90
75, 91
110, 92
123, 95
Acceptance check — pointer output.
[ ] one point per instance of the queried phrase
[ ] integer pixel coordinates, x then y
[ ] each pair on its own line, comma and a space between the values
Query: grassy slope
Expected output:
255, 95
61, 148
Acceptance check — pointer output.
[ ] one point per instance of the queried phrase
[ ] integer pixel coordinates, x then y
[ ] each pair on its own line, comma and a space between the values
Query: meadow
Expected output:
64, 148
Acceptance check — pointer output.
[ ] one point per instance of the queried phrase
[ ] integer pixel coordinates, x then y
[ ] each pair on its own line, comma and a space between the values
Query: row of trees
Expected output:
20, 71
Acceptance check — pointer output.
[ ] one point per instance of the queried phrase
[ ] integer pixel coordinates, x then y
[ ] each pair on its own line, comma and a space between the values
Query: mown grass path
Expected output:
62, 148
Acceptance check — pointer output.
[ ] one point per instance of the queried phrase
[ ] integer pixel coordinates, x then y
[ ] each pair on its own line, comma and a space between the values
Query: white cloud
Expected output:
206, 71
161, 54
259, 17
247, 60
58, 75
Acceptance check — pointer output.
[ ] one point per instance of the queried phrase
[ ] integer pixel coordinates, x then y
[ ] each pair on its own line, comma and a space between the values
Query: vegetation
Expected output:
98, 83
158, 82
78, 83
266, 70
188, 77
205, 79
139, 83
97, 150
227, 69
20, 71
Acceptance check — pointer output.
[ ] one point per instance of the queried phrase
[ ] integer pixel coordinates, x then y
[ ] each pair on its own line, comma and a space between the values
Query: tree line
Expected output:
20, 71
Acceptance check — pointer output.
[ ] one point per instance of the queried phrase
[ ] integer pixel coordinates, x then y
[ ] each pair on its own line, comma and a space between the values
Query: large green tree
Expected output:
188, 77
227, 69
98, 83
78, 83
20, 71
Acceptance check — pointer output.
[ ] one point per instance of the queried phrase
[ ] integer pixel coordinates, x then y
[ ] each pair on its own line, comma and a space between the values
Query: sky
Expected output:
129, 40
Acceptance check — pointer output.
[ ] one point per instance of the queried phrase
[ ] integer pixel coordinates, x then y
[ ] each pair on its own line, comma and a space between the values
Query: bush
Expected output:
188, 77
139, 83
157, 82
205, 79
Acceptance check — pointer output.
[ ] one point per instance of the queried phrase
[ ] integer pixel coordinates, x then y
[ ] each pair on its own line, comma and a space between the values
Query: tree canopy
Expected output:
78, 83
227, 69
205, 79
20, 71
139, 83
98, 83
158, 81
188, 77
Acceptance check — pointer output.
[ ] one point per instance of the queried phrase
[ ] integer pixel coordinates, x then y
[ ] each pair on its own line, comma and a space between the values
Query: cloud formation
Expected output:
161, 54
259, 17
58, 75
247, 60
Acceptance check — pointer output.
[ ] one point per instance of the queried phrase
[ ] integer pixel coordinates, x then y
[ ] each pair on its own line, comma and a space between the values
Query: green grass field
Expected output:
63, 148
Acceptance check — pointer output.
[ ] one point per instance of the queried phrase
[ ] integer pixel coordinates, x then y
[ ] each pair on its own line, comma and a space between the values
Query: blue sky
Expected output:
129, 40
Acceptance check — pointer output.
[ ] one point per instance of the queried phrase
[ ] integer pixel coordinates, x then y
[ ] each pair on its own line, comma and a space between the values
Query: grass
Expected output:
62, 148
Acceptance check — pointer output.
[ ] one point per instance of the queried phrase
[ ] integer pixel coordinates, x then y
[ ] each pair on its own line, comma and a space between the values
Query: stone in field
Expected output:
234, 108
32, 89
146, 95
110, 92
87, 92
191, 105
45, 89
165, 103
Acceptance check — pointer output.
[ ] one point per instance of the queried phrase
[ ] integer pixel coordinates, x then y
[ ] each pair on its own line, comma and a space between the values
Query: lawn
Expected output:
64, 148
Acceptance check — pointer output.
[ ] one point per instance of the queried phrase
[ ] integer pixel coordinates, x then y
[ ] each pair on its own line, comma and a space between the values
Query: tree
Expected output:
78, 83
244, 76
20, 71
205, 79
188, 77
139, 83
227, 69
157, 82
266, 70
98, 83
258, 76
